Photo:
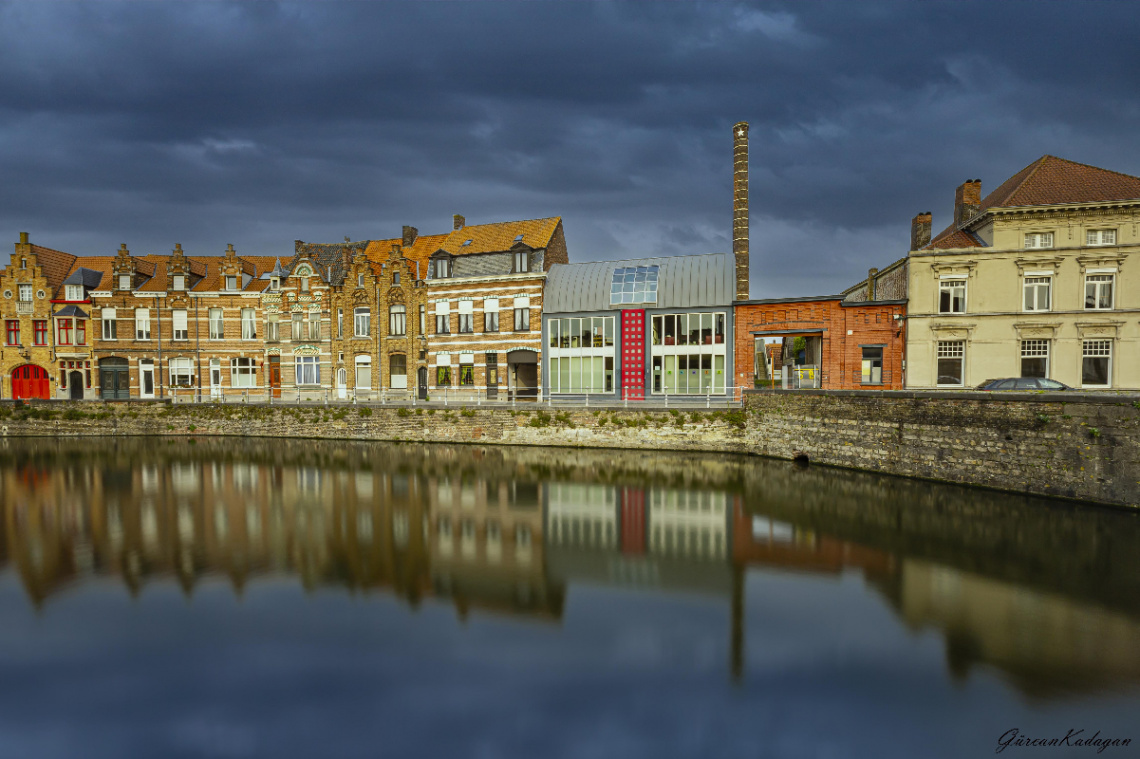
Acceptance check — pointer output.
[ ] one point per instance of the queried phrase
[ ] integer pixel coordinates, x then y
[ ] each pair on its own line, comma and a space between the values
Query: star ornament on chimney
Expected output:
739, 132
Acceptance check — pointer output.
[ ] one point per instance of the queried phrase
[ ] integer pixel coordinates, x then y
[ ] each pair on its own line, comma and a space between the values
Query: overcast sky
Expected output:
260, 123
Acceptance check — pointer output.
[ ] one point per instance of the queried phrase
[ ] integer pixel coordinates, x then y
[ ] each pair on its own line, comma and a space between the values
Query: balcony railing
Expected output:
25, 307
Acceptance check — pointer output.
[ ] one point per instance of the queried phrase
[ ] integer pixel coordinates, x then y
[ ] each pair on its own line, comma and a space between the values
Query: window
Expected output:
952, 296
217, 327
243, 372
491, 315
1034, 358
340, 322
443, 371
39, 332
397, 320
396, 278
142, 323
362, 322
304, 284
634, 284
423, 320
522, 314
441, 268
1037, 292
1096, 366
295, 329
466, 369
363, 372
872, 366
63, 331
442, 318
179, 282
180, 330
398, 371
308, 370
248, 324
13, 332
1100, 237
1039, 240
274, 283
181, 372
25, 293
951, 356
273, 329
231, 283
522, 261
109, 332
466, 316
1098, 291
74, 292
124, 281
314, 325
81, 335
360, 280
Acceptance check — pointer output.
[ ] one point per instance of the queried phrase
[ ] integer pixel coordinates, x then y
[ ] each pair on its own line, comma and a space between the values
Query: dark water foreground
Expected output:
309, 599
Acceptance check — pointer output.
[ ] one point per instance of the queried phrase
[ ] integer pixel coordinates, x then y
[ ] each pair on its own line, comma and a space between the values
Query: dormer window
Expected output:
74, 292
1039, 240
441, 268
522, 261
124, 281
1100, 237
178, 282
274, 283
231, 283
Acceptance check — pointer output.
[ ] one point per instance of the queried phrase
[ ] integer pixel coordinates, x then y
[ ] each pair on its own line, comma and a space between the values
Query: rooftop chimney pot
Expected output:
457, 222
409, 236
920, 231
24, 238
967, 201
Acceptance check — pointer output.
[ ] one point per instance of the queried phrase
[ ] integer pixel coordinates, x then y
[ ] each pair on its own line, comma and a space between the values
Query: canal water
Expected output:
232, 598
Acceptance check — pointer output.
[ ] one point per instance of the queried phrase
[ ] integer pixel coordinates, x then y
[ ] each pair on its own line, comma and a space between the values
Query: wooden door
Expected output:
30, 381
275, 375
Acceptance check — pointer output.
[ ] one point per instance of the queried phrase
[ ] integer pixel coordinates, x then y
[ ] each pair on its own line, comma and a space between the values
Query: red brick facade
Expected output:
845, 329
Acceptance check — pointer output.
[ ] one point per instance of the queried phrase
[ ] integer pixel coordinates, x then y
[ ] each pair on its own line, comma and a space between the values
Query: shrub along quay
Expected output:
1084, 447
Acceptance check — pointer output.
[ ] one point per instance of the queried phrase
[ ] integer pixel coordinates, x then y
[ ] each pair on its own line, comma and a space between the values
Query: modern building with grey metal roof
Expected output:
639, 328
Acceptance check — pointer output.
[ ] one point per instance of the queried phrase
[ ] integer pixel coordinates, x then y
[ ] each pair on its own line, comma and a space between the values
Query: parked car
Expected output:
1023, 383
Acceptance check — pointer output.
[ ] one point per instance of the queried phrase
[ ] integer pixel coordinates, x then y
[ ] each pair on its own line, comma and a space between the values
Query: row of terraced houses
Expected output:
1033, 282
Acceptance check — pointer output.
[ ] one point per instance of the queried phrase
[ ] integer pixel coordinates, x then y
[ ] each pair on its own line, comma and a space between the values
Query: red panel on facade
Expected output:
633, 354
632, 520
30, 381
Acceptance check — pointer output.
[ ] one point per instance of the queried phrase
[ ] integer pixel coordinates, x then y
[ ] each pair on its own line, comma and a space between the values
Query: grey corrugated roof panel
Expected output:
683, 282
85, 277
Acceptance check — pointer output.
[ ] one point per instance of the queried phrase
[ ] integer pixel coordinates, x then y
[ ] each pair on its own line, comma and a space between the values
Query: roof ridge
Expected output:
1039, 163
497, 223
1089, 166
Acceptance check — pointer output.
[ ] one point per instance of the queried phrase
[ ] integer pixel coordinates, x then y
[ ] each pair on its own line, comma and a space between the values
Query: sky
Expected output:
258, 123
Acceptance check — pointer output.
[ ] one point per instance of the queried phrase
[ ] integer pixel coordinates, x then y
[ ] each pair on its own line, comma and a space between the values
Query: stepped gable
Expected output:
55, 265
419, 251
501, 236
1048, 181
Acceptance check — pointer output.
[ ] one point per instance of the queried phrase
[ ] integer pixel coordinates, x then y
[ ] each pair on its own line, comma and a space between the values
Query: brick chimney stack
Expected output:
410, 235
871, 284
920, 230
457, 222
967, 201
740, 207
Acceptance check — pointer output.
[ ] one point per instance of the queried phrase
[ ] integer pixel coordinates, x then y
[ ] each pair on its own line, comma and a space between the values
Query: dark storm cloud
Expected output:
259, 123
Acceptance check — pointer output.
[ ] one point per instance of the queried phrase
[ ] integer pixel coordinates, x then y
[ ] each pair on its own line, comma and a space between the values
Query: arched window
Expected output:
397, 319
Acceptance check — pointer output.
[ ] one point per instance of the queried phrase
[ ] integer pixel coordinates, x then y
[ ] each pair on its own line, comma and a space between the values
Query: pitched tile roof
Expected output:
501, 236
1047, 181
100, 264
55, 264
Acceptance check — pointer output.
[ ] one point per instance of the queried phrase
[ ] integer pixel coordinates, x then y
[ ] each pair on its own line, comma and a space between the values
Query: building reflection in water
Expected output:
507, 532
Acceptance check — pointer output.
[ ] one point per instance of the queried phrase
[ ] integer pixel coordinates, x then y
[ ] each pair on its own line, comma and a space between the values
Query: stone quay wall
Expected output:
1084, 447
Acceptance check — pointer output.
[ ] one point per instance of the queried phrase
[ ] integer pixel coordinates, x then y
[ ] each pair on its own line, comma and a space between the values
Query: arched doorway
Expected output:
421, 382
114, 379
75, 386
30, 381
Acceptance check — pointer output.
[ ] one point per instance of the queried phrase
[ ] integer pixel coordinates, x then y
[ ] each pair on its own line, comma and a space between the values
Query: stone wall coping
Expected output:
1108, 399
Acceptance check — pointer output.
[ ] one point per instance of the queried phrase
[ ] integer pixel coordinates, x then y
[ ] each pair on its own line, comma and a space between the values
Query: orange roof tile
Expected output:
55, 264
100, 264
501, 236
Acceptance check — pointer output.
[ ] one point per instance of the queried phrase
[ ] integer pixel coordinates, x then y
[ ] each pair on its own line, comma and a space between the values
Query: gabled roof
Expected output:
1047, 181
99, 268
55, 264
501, 237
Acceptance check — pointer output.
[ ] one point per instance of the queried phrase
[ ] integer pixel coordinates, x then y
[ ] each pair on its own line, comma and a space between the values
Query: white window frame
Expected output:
243, 372
110, 331
248, 324
466, 316
441, 268
950, 349
490, 314
522, 261
179, 325
443, 318
1034, 283
362, 321
74, 292
1097, 348
1097, 237
1036, 348
273, 328
124, 281
215, 318
397, 320
142, 323
365, 361
180, 372
951, 284
307, 371
24, 293
231, 282
522, 314
178, 282
1099, 279
1038, 240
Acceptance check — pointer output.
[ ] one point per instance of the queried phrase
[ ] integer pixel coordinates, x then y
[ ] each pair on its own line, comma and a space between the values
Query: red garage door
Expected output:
30, 381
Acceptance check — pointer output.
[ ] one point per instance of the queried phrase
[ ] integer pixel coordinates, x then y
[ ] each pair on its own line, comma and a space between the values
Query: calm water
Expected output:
308, 599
